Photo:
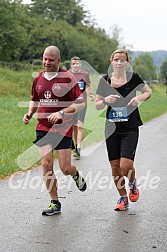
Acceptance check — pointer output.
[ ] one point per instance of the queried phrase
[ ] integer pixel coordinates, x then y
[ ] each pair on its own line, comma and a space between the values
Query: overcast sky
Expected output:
143, 23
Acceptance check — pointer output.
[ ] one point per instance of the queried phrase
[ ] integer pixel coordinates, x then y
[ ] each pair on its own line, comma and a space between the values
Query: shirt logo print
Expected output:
56, 86
47, 94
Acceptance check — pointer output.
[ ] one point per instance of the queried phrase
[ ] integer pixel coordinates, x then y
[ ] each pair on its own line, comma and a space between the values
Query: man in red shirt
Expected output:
56, 96
84, 82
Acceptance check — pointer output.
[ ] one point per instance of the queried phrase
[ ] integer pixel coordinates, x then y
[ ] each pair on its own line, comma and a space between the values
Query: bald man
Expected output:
56, 96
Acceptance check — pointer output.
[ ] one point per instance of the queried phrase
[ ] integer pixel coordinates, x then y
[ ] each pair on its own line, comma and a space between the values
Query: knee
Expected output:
115, 170
126, 168
47, 167
80, 125
65, 170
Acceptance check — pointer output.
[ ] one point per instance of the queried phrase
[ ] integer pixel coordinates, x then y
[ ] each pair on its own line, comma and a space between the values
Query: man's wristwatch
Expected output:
61, 112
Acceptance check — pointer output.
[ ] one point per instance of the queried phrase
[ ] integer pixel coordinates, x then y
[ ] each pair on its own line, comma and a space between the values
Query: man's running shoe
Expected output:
77, 154
52, 209
134, 192
122, 204
80, 182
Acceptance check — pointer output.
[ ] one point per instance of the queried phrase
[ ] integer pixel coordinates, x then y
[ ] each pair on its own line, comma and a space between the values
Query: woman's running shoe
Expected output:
122, 204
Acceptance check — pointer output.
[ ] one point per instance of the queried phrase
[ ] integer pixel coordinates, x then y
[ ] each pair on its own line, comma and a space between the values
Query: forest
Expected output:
26, 29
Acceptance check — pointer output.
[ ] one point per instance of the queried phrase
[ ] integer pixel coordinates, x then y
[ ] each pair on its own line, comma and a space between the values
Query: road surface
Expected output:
88, 222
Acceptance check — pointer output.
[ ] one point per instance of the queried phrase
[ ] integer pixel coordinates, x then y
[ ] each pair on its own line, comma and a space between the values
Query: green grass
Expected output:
16, 137
15, 83
156, 105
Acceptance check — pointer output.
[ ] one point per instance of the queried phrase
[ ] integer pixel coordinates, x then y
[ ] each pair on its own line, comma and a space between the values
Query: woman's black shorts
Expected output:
55, 139
122, 144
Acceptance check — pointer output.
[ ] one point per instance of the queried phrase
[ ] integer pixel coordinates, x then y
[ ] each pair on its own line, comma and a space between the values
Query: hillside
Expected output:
158, 56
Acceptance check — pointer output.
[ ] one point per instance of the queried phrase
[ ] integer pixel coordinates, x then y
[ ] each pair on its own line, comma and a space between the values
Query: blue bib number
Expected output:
81, 85
118, 114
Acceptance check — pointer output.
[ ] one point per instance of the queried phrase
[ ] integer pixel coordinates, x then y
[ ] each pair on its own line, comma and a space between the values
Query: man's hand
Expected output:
27, 117
92, 97
54, 117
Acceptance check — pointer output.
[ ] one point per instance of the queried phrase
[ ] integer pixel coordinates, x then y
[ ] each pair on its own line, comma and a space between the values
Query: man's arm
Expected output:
32, 109
73, 108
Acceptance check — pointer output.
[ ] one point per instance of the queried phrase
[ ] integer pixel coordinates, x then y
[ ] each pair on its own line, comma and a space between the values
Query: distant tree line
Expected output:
152, 65
144, 65
26, 29
163, 71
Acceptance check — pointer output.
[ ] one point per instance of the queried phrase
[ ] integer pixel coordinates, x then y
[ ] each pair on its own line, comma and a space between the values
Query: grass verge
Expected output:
16, 137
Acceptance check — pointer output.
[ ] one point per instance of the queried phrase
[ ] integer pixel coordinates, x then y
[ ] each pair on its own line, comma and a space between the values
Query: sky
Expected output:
142, 23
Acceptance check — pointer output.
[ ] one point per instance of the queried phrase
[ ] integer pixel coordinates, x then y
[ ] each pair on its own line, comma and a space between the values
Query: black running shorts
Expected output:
122, 144
55, 139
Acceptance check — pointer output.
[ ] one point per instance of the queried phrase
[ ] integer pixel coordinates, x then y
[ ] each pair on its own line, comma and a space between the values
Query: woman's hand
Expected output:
134, 101
111, 98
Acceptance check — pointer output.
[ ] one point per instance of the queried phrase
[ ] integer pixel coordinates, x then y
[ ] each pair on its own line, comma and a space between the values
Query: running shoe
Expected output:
80, 182
134, 192
77, 154
122, 204
52, 209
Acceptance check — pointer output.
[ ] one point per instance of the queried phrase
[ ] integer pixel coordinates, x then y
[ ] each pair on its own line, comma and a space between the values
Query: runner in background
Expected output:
84, 83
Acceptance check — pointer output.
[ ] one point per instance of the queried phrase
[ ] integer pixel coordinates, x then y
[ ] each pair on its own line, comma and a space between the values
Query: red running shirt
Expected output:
53, 95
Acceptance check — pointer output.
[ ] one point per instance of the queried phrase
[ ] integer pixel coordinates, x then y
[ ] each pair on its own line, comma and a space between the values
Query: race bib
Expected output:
81, 85
118, 114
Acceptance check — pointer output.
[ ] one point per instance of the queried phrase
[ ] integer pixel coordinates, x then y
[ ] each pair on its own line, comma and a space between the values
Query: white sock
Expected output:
124, 196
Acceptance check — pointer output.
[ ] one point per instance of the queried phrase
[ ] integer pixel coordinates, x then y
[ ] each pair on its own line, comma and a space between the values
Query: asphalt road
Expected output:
88, 222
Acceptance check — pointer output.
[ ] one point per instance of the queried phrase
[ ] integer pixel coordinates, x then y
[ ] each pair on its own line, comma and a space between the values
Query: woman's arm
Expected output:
102, 101
145, 94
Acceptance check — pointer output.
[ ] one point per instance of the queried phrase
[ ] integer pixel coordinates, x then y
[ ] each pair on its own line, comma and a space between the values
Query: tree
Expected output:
27, 29
98, 47
12, 32
163, 71
144, 66
69, 10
